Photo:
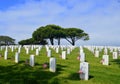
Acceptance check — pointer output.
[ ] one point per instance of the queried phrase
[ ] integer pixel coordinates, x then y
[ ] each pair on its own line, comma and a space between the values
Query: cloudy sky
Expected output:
99, 18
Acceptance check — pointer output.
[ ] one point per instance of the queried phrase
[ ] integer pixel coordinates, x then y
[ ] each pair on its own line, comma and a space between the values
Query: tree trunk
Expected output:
58, 41
52, 41
73, 41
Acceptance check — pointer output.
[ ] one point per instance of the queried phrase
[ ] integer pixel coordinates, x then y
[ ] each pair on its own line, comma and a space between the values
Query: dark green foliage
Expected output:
39, 34
6, 40
74, 34
52, 32
32, 41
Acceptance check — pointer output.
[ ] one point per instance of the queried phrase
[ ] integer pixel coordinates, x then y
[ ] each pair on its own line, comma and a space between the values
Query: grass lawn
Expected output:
21, 73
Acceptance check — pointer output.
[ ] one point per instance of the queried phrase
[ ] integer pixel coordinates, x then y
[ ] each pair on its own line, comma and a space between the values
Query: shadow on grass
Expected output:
75, 76
17, 74
117, 61
20, 62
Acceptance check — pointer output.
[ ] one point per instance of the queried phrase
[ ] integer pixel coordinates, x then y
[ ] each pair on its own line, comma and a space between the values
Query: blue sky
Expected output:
99, 18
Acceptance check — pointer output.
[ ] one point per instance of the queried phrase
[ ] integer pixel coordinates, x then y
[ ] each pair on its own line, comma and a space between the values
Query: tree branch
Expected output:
68, 41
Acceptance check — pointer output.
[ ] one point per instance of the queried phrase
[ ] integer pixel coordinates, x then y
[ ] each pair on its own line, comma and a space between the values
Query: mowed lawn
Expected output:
67, 70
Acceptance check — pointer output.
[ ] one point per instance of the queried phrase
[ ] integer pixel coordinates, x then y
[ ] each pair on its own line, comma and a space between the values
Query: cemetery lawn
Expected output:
67, 70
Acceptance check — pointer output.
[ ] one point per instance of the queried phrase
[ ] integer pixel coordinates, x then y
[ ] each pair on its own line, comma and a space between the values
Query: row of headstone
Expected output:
98, 49
32, 47
52, 63
105, 57
19, 47
68, 49
84, 66
17, 58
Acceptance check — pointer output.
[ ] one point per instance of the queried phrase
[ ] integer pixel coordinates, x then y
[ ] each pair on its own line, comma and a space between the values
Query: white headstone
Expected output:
19, 49
17, 57
47, 48
111, 49
32, 60
118, 52
52, 65
37, 51
49, 53
115, 56
105, 60
32, 47
57, 50
6, 49
61, 47
81, 50
12, 48
82, 57
68, 50
84, 71
96, 53
105, 51
27, 50
92, 50
6, 55
63, 54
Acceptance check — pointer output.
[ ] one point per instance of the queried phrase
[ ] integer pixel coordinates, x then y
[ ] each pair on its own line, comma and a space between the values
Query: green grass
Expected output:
13, 73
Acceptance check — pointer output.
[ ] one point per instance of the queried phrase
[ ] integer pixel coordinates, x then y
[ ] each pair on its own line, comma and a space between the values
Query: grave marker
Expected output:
68, 50
49, 53
105, 60
27, 50
105, 51
37, 51
84, 71
6, 55
63, 54
32, 60
17, 57
57, 50
96, 53
82, 57
115, 55
52, 64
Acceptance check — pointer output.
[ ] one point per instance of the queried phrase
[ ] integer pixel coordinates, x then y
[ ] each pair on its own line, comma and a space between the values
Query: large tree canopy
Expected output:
6, 40
39, 34
52, 32
74, 34
59, 34
31, 41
